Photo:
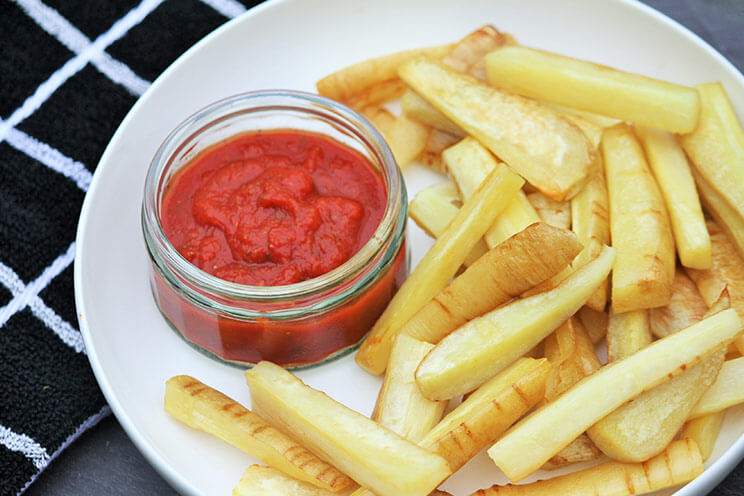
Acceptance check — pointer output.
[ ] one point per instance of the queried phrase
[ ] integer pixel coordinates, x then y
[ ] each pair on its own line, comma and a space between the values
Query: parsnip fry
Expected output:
581, 449
685, 308
591, 222
488, 412
368, 453
400, 405
406, 138
727, 271
716, 148
594, 88
639, 224
526, 259
483, 347
627, 333
376, 94
672, 172
724, 214
543, 147
436, 143
725, 392
359, 77
595, 322
530, 443
417, 107
433, 209
259, 480
680, 463
553, 212
439, 264
467, 54
201, 407
704, 431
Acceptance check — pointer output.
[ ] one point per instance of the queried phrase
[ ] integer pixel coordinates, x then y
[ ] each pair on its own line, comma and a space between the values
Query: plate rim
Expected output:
706, 481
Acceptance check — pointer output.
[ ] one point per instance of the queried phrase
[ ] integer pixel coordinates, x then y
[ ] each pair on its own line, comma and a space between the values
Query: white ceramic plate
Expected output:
291, 44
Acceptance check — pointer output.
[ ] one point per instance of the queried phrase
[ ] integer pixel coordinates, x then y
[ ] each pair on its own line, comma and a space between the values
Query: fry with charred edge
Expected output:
432, 209
704, 431
685, 308
723, 393
543, 147
439, 264
680, 463
553, 212
590, 220
201, 407
359, 77
639, 225
400, 405
727, 272
519, 263
530, 443
366, 451
259, 480
594, 88
672, 171
483, 347
716, 149
436, 143
595, 322
627, 333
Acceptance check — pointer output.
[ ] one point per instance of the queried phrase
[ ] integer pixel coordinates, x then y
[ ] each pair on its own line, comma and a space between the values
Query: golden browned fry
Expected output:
376, 94
534, 440
727, 271
538, 143
436, 142
716, 148
381, 117
672, 172
484, 346
639, 225
627, 333
440, 263
522, 261
679, 463
594, 88
259, 480
704, 431
400, 405
553, 212
359, 77
467, 54
201, 407
595, 322
685, 308
369, 453
590, 220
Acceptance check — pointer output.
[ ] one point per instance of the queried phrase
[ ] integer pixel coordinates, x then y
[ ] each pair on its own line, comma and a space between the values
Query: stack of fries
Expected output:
560, 173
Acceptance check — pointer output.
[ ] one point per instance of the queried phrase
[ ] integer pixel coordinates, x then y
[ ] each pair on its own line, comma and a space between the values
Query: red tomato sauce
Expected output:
273, 208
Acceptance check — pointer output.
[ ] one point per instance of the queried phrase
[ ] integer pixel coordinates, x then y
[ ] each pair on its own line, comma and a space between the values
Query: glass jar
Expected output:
293, 325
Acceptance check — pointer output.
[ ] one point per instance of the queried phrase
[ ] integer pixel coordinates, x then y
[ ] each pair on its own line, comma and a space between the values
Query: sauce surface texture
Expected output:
273, 208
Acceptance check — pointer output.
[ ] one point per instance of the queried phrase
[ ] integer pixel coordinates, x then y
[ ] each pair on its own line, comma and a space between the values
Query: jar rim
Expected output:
341, 117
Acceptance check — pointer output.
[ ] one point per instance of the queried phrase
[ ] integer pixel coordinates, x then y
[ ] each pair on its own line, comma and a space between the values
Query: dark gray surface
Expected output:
104, 460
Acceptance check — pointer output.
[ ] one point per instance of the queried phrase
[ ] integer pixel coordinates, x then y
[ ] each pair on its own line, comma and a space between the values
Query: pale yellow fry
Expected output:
483, 347
716, 149
594, 88
417, 107
672, 171
367, 452
680, 463
553, 212
530, 443
406, 138
595, 322
432, 209
259, 480
590, 220
358, 77
725, 392
627, 333
439, 264
685, 308
400, 405
539, 144
598, 120
639, 225
506, 271
724, 214
201, 407
704, 431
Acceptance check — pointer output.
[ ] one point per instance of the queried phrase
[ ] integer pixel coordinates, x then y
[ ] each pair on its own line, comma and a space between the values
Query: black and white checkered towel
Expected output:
69, 72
